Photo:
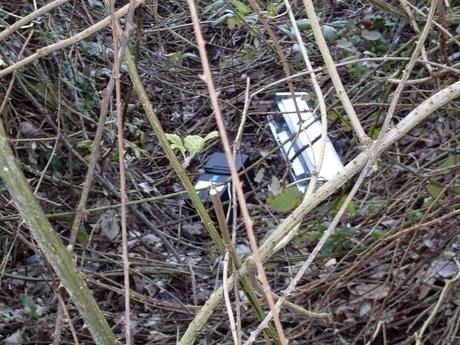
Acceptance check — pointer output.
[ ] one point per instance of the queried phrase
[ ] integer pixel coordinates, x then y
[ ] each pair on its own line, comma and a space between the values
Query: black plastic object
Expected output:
217, 171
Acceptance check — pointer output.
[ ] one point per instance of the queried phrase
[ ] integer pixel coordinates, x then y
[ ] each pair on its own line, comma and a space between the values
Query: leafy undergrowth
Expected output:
379, 286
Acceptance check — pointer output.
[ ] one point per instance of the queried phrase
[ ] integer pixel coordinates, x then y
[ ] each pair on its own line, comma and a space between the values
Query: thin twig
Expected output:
228, 303
239, 134
69, 321
121, 163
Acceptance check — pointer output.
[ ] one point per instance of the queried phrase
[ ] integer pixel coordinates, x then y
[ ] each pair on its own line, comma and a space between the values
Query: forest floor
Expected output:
379, 276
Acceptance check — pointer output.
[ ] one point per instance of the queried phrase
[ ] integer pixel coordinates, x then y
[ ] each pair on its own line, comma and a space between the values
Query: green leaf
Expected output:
85, 144
307, 236
82, 236
449, 162
29, 303
346, 125
332, 116
92, 48
371, 35
351, 208
287, 32
344, 44
375, 133
241, 7
337, 241
212, 135
176, 142
378, 234
435, 189
176, 58
234, 22
414, 215
287, 200
330, 33
194, 143
222, 19
228, 62
303, 24
214, 6
272, 9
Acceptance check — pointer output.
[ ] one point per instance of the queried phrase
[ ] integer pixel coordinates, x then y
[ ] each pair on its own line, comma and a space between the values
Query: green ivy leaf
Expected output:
194, 143
287, 200
85, 144
346, 125
375, 133
176, 142
212, 135
82, 236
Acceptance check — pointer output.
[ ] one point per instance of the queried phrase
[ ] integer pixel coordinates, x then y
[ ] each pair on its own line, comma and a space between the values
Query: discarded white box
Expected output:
300, 137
